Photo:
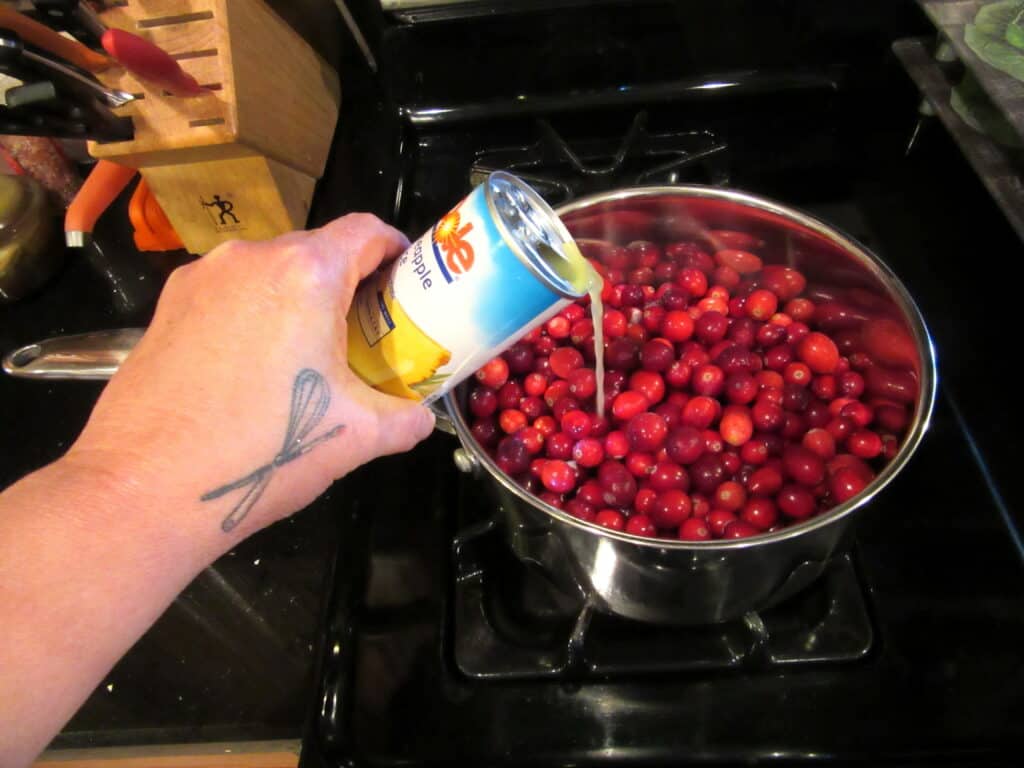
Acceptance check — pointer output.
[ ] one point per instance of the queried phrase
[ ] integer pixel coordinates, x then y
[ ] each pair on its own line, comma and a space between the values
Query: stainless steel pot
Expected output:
705, 582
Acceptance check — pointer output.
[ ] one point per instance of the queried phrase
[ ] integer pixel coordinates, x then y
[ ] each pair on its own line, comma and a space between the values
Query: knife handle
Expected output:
149, 62
41, 36
97, 193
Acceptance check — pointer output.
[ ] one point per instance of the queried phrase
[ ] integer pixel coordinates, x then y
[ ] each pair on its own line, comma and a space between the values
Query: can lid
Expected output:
536, 235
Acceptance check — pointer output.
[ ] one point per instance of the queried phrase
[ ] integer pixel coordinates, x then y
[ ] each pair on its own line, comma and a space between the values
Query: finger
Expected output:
357, 244
401, 424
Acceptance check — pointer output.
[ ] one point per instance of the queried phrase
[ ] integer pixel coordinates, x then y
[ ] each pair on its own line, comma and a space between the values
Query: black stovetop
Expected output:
440, 648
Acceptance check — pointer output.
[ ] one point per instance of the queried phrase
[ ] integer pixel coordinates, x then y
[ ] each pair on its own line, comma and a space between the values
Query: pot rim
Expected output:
919, 425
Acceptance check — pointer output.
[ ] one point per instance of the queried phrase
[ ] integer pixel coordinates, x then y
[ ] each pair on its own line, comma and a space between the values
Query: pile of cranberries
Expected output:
738, 399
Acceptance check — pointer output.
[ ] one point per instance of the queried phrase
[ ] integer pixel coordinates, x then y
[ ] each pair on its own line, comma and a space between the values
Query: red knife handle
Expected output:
149, 62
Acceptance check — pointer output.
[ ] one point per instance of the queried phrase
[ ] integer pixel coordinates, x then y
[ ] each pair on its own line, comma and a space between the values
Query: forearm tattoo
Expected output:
310, 400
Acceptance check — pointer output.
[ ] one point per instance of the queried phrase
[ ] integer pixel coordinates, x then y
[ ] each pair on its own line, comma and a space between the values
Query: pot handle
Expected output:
84, 356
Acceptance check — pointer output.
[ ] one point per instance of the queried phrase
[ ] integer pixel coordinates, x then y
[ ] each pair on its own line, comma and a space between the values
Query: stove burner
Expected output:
562, 172
511, 623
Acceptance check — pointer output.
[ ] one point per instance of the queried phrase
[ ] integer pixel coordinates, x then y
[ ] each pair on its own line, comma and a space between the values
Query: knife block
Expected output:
242, 159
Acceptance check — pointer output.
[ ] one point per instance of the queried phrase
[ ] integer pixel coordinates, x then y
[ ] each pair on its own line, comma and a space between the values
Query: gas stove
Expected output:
440, 647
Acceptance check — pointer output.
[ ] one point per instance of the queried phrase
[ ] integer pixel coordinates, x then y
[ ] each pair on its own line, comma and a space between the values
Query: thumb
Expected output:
401, 424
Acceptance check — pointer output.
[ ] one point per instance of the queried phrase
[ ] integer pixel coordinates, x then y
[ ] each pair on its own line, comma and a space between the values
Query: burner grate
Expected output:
511, 623
561, 171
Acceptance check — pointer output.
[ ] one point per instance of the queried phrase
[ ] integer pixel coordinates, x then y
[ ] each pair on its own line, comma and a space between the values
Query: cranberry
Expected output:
765, 481
718, 520
592, 493
685, 444
532, 407
707, 473
846, 483
494, 373
555, 392
694, 529
795, 333
891, 416
743, 331
761, 304
544, 345
736, 426
546, 425
672, 413
820, 442
804, 466
864, 444
511, 421
819, 352
796, 501
708, 380
614, 323
616, 444
678, 374
711, 327
668, 475
588, 452
793, 426
767, 416
559, 446
801, 310
563, 405
700, 412
631, 295
640, 464
701, 506
483, 402
730, 495
797, 373
610, 518
532, 438
740, 529
857, 412
851, 384
485, 432
689, 255
784, 282
741, 388
580, 510
760, 512
778, 357
509, 395
583, 383
671, 508
576, 423
558, 476
548, 497
628, 404
656, 355
565, 360
641, 525
693, 281
623, 354
520, 357
754, 451
795, 398
770, 334
535, 384
646, 431
558, 327
512, 456
652, 317
619, 485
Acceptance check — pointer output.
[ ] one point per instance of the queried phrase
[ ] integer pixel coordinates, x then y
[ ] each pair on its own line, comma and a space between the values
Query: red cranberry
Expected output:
891, 416
652, 317
760, 512
819, 352
623, 354
558, 476
845, 484
736, 426
672, 413
864, 444
801, 310
766, 416
614, 323
509, 395
840, 428
535, 384
610, 518
512, 457
797, 332
741, 388
646, 431
483, 402
485, 432
796, 502
670, 509
770, 334
742, 331
765, 481
754, 451
563, 405
678, 374
494, 373
693, 281
545, 345
820, 442
793, 426
565, 360
619, 485
588, 452
592, 493
656, 355
694, 529
761, 304
685, 444
558, 327
740, 529
580, 510
711, 327
859, 413
795, 398
559, 446
555, 392
511, 421
851, 384
641, 525
631, 295
718, 520
730, 495
689, 254
628, 405
707, 473
668, 475
576, 423
778, 357
520, 357
532, 407
784, 282
640, 464
803, 466
817, 414
673, 299
532, 439
616, 444
546, 425
708, 380
583, 383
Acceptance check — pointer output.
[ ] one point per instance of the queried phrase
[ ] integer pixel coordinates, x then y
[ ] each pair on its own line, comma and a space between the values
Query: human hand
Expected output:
237, 407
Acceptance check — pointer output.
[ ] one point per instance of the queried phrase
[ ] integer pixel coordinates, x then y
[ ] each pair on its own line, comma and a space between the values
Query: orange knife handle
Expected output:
41, 36
101, 187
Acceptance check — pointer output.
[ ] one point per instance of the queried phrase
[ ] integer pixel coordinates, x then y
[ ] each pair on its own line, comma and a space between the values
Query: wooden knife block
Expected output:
242, 159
